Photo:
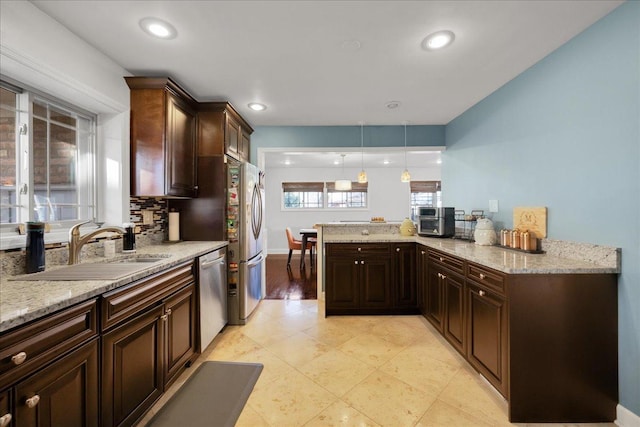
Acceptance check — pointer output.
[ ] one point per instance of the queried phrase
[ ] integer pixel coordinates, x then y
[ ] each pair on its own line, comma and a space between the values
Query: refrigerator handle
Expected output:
256, 260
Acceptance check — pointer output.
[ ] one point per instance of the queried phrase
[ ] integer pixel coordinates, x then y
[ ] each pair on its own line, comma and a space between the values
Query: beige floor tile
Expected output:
274, 367
291, 400
340, 414
467, 392
415, 368
355, 324
336, 371
298, 349
266, 331
389, 401
231, 345
280, 308
437, 348
399, 332
329, 333
298, 321
441, 414
250, 418
371, 349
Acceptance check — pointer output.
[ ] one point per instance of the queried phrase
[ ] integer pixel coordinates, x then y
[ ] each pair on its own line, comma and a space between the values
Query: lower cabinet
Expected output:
63, 394
487, 327
370, 278
454, 327
180, 332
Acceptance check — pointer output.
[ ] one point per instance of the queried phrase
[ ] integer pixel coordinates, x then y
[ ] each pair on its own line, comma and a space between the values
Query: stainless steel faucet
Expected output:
76, 242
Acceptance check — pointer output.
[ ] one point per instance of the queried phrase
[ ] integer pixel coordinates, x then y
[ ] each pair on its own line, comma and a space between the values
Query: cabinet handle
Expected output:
32, 401
168, 312
361, 262
18, 358
441, 259
397, 249
5, 420
355, 262
359, 249
164, 317
423, 252
482, 276
481, 293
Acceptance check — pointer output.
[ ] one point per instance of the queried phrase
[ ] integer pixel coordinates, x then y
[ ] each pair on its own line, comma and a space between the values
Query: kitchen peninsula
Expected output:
541, 328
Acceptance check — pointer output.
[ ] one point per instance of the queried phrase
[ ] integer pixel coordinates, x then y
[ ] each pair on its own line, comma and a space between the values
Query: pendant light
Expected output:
362, 176
405, 177
343, 184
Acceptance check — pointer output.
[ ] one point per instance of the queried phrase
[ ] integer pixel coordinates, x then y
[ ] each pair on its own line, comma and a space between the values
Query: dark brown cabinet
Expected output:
64, 393
454, 327
49, 370
422, 277
163, 138
149, 339
405, 289
370, 278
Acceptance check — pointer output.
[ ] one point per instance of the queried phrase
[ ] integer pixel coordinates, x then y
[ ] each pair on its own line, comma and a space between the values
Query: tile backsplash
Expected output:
13, 262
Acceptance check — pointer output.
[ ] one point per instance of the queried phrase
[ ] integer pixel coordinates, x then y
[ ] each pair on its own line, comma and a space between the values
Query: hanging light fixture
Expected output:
343, 184
362, 176
405, 177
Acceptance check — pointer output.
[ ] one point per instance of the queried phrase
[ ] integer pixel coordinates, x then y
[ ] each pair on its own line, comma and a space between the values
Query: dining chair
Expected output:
296, 245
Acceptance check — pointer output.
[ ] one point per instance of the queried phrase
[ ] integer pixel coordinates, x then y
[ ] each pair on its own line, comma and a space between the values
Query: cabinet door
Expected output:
132, 374
244, 146
422, 277
181, 338
63, 394
454, 325
181, 148
6, 415
232, 137
434, 297
487, 347
375, 282
405, 275
342, 290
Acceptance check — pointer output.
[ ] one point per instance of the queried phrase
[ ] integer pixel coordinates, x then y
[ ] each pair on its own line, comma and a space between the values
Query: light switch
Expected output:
493, 206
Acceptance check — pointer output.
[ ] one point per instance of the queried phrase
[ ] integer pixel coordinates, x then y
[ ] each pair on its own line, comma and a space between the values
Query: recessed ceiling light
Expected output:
256, 106
287, 162
350, 45
438, 40
386, 162
158, 28
336, 162
392, 104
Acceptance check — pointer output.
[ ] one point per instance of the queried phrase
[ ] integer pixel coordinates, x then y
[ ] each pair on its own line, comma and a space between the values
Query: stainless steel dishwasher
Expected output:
212, 280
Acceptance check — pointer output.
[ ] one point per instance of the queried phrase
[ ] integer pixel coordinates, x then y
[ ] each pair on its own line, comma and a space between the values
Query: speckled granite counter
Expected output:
22, 301
593, 259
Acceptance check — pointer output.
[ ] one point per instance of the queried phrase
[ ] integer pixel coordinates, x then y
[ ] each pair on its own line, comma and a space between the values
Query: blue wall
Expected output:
565, 134
345, 136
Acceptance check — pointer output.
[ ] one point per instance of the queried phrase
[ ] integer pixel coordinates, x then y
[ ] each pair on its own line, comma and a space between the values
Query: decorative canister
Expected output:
407, 228
484, 234
35, 247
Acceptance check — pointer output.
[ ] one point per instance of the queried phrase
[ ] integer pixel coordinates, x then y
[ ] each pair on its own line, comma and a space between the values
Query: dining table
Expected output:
306, 233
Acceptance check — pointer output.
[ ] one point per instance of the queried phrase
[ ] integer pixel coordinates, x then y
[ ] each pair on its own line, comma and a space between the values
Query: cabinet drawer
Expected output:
485, 276
452, 263
356, 249
123, 303
44, 340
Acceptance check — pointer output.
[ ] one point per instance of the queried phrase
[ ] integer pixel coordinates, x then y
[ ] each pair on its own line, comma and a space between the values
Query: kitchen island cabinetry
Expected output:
149, 339
372, 278
163, 138
51, 367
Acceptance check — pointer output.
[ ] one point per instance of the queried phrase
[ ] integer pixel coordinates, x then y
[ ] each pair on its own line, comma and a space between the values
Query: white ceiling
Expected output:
298, 57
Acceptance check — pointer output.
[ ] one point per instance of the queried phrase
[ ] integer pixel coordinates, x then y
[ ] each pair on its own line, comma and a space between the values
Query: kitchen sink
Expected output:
111, 269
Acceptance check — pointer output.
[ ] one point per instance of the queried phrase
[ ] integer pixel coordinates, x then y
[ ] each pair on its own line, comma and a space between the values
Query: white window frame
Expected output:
86, 166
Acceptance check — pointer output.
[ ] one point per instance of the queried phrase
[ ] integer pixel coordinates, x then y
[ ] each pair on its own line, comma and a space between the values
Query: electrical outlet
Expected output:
493, 206
147, 217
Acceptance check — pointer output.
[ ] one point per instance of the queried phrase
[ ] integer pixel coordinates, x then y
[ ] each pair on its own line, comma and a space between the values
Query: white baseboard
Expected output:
626, 418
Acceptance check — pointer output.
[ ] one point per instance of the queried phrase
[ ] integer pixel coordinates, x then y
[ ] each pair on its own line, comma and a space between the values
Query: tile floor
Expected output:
351, 371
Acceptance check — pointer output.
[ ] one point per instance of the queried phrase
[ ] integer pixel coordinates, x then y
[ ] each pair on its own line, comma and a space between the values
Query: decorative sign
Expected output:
532, 219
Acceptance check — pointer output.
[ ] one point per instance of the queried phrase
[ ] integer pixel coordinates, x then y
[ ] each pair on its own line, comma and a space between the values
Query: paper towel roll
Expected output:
174, 226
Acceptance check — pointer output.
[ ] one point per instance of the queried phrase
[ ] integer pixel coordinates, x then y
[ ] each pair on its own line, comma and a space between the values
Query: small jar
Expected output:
515, 239
526, 240
129, 238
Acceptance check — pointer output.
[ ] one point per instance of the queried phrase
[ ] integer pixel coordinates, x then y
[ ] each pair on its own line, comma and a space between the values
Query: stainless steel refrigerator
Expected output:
245, 231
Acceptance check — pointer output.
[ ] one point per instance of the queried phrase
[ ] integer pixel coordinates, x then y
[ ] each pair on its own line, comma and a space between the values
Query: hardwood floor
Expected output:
290, 282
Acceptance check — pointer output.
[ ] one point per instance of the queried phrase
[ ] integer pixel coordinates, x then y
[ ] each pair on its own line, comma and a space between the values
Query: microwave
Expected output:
436, 222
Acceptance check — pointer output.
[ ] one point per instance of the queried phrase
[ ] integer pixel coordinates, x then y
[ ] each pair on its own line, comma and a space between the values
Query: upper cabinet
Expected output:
163, 138
221, 130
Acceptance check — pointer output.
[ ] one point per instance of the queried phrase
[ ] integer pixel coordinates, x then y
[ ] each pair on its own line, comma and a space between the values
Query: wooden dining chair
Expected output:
296, 245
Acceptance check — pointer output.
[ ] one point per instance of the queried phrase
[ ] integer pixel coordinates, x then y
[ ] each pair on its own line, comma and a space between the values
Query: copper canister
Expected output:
526, 240
515, 239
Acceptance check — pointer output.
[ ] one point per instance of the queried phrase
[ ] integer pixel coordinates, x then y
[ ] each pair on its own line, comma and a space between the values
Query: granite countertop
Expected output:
24, 300
504, 260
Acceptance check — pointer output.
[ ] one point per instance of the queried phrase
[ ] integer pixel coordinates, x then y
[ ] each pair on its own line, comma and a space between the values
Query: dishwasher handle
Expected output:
208, 264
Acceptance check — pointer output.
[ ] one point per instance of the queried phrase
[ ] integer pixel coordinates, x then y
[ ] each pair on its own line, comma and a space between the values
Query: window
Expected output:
425, 193
47, 161
311, 195
303, 195
354, 198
